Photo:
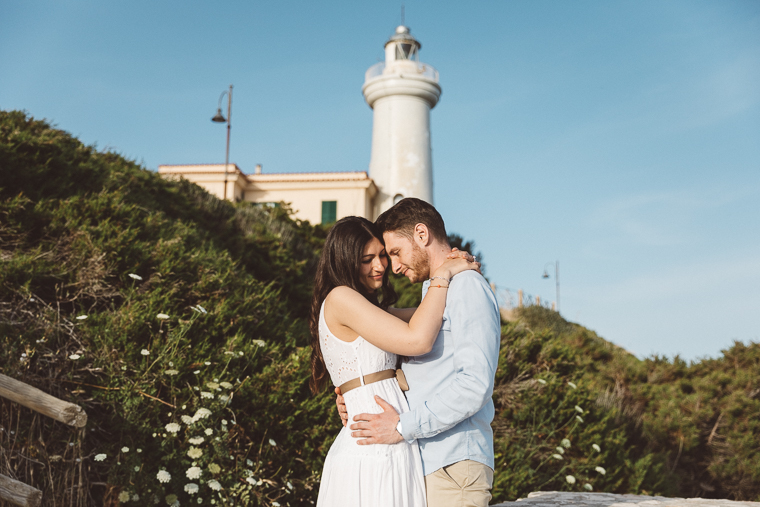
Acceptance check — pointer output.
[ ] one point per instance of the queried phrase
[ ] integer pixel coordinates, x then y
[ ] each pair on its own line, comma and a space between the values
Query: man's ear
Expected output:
421, 235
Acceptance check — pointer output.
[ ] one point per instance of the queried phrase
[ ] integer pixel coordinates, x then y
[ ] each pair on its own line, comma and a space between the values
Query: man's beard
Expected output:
420, 265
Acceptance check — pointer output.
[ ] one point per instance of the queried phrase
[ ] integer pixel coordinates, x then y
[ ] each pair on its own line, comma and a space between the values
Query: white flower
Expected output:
124, 496
125, 449
173, 427
206, 394
162, 316
260, 343
578, 409
74, 356
187, 420
289, 485
100, 457
275, 504
196, 440
557, 456
579, 418
601, 470
224, 397
212, 385
588, 487
214, 484
596, 448
214, 468
191, 488
251, 480
201, 413
570, 479
135, 497
224, 422
565, 443
272, 443
137, 469
139, 450
134, 276
208, 431
225, 385
171, 372
572, 384
145, 352
561, 450
541, 381
84, 317
249, 462
241, 354
194, 452
199, 307
196, 372
193, 472
163, 476
207, 363
200, 500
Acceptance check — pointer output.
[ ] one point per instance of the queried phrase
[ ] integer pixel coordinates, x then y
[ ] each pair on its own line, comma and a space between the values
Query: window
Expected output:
329, 211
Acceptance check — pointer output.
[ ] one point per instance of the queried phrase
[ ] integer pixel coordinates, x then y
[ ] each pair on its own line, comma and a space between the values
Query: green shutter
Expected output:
329, 211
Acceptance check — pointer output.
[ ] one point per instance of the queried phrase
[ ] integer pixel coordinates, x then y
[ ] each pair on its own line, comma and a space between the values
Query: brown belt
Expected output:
376, 377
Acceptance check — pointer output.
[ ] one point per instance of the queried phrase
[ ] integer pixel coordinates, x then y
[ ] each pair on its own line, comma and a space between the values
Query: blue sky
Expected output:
620, 137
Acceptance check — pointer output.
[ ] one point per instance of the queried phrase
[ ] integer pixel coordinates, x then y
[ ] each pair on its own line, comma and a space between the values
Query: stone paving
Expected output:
559, 499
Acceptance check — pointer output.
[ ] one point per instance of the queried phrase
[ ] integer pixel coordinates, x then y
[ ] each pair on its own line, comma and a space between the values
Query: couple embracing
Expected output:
437, 448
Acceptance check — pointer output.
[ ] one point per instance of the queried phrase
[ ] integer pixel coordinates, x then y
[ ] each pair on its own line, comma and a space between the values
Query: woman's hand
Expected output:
461, 261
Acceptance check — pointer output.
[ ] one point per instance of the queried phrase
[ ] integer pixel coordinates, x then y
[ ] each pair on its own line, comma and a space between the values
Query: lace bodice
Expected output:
348, 360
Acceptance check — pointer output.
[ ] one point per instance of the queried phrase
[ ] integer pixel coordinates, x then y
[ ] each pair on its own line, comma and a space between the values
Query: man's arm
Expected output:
475, 333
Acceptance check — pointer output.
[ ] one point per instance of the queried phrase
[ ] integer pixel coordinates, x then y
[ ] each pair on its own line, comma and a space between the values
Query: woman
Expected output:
355, 340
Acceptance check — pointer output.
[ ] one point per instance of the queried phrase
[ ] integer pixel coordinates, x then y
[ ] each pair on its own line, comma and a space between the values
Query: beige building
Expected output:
316, 197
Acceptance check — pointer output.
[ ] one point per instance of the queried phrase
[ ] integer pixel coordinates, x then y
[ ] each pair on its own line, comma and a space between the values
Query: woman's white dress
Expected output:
367, 475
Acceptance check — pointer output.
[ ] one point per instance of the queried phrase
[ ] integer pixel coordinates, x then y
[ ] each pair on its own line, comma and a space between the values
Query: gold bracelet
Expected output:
440, 286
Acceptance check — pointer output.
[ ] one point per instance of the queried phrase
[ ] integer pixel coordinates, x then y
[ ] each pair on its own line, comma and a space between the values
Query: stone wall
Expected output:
558, 499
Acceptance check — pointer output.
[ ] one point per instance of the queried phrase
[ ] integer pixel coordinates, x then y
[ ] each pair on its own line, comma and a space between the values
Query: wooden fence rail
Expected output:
41, 402
19, 493
12, 490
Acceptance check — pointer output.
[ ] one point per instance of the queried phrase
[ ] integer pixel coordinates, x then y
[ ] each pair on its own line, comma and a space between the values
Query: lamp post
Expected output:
219, 118
556, 278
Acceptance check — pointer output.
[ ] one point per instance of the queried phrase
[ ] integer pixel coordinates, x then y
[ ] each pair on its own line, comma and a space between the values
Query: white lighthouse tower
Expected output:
401, 91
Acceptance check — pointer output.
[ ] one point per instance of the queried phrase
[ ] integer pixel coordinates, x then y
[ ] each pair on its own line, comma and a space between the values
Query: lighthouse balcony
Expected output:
408, 67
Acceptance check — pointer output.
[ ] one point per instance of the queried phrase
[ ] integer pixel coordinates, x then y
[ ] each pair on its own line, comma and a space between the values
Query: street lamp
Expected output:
556, 278
219, 118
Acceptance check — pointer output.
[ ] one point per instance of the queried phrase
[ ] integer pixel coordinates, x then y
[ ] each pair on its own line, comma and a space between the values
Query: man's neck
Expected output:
438, 252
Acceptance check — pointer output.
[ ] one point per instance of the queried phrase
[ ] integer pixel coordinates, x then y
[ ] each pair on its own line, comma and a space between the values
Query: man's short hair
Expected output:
403, 216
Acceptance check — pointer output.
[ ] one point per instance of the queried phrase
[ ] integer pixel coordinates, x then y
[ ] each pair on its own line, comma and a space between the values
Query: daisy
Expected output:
570, 479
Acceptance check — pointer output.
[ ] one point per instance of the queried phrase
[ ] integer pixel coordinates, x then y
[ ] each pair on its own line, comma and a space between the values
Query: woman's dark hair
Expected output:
339, 265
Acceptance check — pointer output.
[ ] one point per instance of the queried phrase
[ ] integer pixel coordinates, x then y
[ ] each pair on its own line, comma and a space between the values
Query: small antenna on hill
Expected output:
402, 14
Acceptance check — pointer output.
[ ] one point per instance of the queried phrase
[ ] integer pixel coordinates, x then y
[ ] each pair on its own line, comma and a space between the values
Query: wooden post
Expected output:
519, 298
554, 306
19, 493
41, 402
538, 300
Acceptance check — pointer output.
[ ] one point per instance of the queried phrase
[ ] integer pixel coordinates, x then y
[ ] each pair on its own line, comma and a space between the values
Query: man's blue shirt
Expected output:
450, 387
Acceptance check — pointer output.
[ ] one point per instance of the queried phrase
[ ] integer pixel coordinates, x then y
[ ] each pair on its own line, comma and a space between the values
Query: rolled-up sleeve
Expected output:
475, 334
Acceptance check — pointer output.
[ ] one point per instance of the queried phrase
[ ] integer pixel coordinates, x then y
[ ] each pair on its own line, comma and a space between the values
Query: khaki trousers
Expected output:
464, 484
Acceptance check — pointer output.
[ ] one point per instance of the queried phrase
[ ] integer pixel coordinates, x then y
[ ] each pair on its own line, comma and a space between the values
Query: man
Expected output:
451, 386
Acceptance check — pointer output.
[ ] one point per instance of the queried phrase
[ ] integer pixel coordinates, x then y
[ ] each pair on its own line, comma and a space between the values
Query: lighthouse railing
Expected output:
424, 69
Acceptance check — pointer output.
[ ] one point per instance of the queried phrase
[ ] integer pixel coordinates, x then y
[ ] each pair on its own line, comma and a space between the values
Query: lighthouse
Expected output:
401, 92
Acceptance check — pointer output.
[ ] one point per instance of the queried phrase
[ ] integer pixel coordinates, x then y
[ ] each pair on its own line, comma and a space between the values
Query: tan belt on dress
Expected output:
376, 377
